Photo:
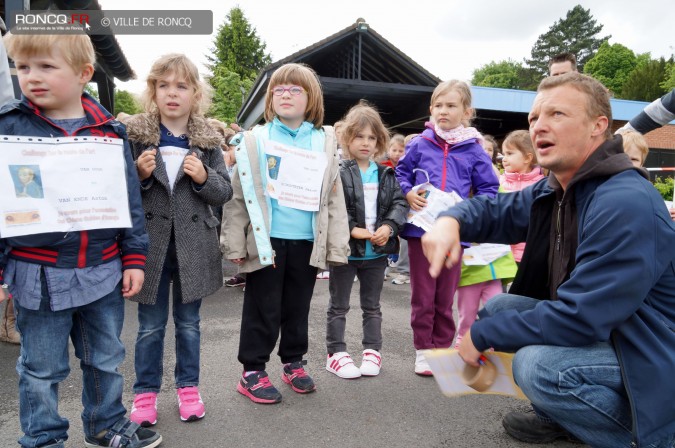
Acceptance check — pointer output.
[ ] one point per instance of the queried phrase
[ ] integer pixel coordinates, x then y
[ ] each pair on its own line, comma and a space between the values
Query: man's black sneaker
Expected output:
295, 376
528, 427
258, 388
125, 434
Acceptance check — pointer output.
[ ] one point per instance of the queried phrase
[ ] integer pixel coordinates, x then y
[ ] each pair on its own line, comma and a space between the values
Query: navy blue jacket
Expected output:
84, 248
621, 288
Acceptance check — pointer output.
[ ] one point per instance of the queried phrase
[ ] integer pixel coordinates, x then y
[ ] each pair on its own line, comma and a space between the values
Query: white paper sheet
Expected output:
294, 175
484, 254
62, 184
438, 201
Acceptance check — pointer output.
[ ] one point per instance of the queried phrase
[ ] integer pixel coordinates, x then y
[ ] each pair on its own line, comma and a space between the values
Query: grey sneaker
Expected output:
125, 434
401, 279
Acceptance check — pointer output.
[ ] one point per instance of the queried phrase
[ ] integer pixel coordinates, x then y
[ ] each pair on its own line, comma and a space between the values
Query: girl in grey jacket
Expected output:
183, 176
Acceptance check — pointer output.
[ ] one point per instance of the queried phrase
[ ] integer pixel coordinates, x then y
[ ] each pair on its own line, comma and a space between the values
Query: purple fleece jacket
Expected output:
464, 168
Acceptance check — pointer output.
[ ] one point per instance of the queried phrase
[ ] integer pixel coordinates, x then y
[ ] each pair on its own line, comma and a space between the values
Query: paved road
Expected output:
395, 409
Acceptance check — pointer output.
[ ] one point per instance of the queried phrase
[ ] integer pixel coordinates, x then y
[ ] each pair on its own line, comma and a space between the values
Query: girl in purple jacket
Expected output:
449, 152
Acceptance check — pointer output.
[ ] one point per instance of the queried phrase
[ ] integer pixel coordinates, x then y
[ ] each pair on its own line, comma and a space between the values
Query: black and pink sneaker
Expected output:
295, 376
258, 388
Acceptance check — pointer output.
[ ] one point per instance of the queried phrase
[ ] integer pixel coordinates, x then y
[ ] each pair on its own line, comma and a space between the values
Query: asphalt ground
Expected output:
395, 409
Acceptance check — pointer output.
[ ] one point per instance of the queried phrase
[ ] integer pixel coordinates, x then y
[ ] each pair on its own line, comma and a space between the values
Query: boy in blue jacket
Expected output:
70, 285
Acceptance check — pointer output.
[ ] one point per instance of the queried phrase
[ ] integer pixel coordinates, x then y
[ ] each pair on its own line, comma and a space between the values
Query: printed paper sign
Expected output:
294, 175
448, 367
173, 158
438, 201
370, 205
484, 254
61, 185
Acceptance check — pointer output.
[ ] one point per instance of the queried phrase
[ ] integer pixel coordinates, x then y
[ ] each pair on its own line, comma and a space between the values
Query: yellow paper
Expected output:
447, 367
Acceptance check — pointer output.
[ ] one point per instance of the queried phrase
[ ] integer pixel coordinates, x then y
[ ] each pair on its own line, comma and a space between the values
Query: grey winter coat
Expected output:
186, 211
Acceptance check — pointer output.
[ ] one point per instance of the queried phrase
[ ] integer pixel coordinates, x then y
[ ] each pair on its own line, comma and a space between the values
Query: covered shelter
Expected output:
353, 64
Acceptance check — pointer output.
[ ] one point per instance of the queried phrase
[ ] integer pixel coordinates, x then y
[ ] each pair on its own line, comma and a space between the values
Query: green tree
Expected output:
645, 83
236, 60
228, 94
125, 102
575, 33
92, 89
238, 47
669, 79
505, 74
611, 66
665, 187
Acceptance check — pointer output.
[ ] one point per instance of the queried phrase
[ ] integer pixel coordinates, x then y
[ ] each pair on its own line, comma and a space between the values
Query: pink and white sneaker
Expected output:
144, 409
371, 363
190, 404
342, 365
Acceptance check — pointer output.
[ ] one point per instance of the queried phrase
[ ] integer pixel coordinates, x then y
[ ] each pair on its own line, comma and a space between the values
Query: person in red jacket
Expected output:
70, 285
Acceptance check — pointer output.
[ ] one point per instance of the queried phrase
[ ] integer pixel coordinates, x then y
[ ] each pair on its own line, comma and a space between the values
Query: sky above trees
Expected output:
450, 40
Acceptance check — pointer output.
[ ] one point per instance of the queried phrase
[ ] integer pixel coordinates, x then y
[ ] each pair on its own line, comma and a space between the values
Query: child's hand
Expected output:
672, 213
416, 201
146, 163
381, 235
132, 281
194, 168
361, 234
237, 261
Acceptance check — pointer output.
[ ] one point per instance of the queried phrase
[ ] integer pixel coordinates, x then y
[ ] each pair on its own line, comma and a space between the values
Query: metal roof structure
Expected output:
358, 63
353, 64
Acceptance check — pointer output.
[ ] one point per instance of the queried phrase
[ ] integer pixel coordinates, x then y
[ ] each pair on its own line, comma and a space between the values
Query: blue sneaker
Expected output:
295, 376
258, 388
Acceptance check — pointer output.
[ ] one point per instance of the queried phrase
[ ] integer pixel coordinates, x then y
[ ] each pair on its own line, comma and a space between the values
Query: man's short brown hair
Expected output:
563, 57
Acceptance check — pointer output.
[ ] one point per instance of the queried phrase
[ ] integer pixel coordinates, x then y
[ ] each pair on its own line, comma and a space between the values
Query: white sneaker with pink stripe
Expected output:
342, 365
371, 363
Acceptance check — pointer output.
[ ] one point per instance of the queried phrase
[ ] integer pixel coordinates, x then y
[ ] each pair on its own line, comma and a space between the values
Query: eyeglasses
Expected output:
293, 90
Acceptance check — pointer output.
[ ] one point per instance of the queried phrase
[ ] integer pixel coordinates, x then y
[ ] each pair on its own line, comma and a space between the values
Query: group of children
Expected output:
177, 179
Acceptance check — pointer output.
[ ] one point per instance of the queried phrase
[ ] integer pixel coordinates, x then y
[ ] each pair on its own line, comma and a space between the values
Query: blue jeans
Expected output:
43, 363
152, 320
579, 388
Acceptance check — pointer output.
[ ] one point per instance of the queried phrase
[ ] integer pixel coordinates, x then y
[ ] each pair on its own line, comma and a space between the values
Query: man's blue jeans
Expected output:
152, 320
43, 363
579, 388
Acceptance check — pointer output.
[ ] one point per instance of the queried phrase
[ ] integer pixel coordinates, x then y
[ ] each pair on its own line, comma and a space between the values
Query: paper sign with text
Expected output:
62, 184
438, 201
484, 254
294, 175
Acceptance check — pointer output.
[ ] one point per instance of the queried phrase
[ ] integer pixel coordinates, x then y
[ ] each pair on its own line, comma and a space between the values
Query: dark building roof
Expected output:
353, 64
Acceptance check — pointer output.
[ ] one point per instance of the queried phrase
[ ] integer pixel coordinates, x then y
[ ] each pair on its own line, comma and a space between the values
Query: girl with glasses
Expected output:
280, 244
